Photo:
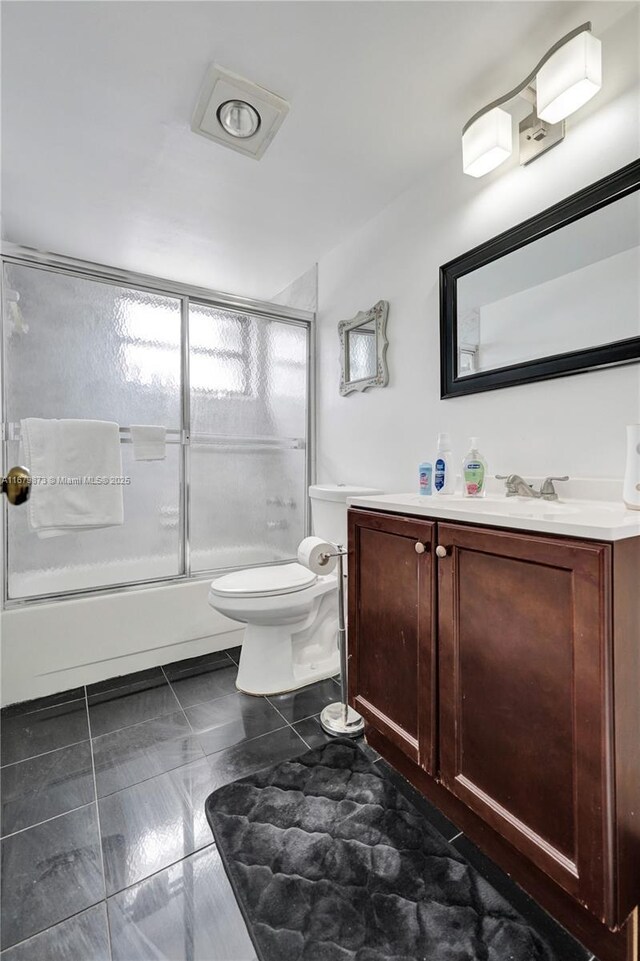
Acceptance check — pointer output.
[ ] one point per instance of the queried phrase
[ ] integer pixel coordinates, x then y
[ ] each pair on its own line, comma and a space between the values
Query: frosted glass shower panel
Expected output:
286, 375
248, 374
247, 505
146, 547
232, 488
80, 348
249, 384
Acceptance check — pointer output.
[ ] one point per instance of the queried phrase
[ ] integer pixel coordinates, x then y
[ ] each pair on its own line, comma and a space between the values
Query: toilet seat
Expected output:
264, 581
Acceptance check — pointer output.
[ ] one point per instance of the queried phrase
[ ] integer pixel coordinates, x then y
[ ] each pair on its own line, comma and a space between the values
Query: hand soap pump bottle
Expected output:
444, 479
474, 470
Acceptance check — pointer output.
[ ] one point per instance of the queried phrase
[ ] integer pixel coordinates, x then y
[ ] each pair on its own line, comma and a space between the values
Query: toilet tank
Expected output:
329, 509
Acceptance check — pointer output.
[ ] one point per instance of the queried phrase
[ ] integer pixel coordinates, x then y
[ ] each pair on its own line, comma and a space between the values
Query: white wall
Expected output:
572, 425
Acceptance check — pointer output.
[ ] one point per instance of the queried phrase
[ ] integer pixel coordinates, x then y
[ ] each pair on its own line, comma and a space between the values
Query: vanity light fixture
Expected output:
487, 142
568, 75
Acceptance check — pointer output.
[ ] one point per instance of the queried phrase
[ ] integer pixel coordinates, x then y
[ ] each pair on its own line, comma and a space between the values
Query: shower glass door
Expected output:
230, 386
248, 458
76, 348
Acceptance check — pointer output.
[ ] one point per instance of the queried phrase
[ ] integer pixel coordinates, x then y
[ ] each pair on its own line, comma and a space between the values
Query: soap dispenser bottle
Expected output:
474, 470
426, 476
444, 479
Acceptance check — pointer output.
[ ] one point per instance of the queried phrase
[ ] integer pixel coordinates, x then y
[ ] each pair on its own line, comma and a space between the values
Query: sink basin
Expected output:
518, 506
548, 511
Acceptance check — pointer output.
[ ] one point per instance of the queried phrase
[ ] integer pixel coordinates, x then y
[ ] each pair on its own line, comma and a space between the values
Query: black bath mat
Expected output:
329, 862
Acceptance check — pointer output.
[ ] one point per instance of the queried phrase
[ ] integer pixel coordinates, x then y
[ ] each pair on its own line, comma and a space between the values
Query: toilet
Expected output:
291, 614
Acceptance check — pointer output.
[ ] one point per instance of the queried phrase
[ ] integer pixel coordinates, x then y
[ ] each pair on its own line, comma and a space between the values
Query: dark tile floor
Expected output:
106, 852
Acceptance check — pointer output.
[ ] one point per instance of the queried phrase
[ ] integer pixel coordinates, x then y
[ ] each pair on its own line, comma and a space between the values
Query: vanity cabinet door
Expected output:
524, 680
391, 629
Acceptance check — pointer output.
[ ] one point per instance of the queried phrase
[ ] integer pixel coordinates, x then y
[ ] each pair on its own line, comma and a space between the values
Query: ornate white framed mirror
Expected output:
363, 349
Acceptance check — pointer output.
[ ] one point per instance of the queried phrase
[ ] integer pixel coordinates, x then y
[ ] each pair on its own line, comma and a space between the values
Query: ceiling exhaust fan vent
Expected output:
236, 113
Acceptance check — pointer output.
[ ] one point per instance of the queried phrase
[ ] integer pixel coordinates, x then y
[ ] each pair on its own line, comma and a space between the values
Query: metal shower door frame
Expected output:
186, 293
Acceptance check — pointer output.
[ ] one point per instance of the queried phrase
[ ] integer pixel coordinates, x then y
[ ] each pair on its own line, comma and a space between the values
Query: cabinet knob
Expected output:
420, 547
441, 550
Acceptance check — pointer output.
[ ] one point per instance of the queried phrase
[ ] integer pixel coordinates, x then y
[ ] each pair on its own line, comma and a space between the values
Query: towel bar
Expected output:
11, 432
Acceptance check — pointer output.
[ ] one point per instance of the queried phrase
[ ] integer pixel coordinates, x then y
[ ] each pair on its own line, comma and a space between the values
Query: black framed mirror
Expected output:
559, 294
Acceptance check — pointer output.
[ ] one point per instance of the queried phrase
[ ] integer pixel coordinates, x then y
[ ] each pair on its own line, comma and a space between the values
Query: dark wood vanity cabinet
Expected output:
523, 625
392, 629
508, 670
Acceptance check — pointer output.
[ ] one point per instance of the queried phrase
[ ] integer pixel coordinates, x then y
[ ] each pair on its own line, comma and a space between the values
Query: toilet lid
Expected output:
264, 581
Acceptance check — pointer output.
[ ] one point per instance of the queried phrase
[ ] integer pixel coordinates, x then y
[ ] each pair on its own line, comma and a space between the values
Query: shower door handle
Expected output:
17, 485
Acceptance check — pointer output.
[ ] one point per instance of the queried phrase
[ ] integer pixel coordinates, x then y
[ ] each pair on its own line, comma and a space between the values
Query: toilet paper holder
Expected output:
338, 719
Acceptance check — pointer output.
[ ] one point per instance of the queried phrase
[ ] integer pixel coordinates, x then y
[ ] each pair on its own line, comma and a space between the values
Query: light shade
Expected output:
487, 142
569, 78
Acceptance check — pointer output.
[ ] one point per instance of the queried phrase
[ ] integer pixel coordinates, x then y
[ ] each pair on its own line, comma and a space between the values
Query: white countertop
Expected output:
575, 517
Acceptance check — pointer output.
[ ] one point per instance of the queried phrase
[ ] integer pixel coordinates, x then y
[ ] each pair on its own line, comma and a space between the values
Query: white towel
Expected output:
149, 442
76, 468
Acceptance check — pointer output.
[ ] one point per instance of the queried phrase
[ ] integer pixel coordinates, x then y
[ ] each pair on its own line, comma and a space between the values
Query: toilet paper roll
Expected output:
312, 553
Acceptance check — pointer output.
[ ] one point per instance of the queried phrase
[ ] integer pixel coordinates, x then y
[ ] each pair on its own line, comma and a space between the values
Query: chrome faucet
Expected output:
517, 487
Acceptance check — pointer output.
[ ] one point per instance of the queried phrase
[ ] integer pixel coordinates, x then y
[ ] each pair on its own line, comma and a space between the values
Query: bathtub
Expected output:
47, 647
